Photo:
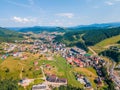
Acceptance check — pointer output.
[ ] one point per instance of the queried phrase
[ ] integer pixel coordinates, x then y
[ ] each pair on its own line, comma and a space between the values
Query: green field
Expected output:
63, 70
106, 44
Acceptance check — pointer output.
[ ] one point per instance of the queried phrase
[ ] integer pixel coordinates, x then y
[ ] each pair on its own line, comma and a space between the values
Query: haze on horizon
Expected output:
20, 13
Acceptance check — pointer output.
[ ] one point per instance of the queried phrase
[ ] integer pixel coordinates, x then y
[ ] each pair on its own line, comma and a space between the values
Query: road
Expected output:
114, 77
110, 70
44, 77
50, 83
94, 53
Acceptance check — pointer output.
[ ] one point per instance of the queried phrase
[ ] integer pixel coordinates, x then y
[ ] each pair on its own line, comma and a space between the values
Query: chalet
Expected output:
24, 80
36, 63
61, 80
39, 87
78, 62
69, 60
48, 66
80, 78
55, 79
51, 78
88, 84
17, 54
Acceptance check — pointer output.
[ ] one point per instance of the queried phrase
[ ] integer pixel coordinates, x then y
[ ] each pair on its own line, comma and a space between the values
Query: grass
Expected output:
90, 73
62, 69
15, 66
106, 43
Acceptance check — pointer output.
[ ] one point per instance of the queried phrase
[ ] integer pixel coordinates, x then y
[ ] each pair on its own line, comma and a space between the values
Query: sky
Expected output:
24, 13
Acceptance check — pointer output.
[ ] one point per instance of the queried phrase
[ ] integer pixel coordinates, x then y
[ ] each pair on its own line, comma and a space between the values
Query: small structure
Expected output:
55, 79
98, 80
25, 82
36, 63
39, 87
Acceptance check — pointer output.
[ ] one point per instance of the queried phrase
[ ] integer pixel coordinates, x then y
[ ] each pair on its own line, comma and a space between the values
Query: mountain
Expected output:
87, 37
9, 35
39, 29
95, 26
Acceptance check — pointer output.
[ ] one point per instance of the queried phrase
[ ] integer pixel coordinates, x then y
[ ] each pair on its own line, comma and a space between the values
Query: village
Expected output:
46, 48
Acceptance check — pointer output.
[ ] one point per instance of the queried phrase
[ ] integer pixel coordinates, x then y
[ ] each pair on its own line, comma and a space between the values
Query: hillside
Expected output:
106, 43
87, 37
38, 29
8, 35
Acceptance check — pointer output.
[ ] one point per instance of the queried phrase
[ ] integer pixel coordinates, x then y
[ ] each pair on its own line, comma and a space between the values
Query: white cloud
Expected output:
68, 15
109, 3
112, 2
23, 20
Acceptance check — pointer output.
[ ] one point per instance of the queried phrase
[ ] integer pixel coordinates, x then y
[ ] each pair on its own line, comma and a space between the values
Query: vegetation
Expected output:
8, 84
9, 36
39, 29
114, 55
67, 88
87, 37
105, 44
118, 42
107, 79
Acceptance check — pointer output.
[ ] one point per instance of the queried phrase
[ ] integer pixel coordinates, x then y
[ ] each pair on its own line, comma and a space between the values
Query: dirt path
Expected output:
21, 70
94, 53
111, 45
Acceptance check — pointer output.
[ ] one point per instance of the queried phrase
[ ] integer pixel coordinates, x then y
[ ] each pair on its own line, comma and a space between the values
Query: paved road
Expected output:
110, 70
114, 77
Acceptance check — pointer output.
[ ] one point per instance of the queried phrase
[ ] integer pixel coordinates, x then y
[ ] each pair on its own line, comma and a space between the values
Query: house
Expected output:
51, 78
88, 84
70, 60
39, 87
17, 54
61, 80
48, 66
98, 80
25, 82
55, 79
80, 78
36, 63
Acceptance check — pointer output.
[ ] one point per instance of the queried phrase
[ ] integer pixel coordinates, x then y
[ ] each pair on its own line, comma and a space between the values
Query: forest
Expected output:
87, 37
112, 54
9, 35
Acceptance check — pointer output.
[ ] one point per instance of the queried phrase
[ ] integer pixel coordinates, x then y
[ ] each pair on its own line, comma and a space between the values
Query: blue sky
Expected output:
19, 13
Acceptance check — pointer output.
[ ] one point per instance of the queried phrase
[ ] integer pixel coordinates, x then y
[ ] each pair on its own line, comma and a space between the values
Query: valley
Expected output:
39, 60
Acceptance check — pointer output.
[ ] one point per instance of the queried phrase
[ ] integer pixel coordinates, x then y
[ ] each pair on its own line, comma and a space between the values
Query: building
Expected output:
39, 87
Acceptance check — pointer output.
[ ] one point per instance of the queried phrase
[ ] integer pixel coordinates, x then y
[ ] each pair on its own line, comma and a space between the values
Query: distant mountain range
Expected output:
38, 29
95, 26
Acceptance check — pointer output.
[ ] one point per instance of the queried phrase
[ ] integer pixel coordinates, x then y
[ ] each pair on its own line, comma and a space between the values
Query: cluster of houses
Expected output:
74, 56
115, 48
81, 59
55, 79
83, 80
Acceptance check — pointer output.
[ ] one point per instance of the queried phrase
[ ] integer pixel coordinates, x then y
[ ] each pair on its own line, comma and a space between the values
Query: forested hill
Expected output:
39, 29
8, 35
87, 37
